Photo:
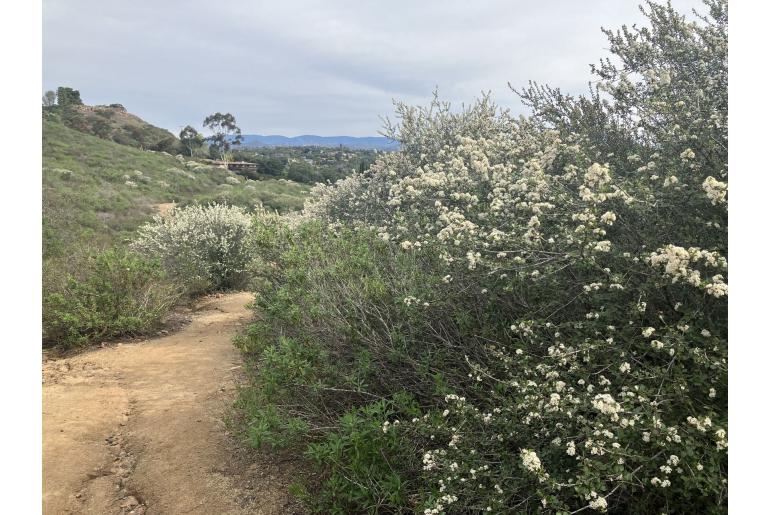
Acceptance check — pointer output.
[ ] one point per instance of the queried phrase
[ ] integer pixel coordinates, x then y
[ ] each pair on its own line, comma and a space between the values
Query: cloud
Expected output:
328, 67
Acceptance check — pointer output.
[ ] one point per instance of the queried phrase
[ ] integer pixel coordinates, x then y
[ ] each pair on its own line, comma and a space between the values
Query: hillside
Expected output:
97, 192
112, 122
371, 142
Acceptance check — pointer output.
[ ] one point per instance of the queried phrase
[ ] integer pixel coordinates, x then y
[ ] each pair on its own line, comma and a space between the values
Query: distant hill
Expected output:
370, 142
112, 122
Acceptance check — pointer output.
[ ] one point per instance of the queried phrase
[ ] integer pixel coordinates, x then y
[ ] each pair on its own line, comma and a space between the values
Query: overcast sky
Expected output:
326, 67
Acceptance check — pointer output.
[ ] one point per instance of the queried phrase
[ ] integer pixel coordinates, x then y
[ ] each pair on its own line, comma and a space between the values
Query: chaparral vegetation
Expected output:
506, 314
515, 315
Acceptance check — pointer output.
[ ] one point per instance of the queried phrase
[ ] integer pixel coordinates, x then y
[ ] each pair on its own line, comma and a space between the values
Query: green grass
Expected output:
86, 201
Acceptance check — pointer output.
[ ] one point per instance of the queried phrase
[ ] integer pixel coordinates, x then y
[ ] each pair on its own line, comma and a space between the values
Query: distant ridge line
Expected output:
306, 140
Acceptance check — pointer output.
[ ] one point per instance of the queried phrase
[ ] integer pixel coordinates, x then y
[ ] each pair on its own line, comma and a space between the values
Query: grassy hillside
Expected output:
97, 192
114, 123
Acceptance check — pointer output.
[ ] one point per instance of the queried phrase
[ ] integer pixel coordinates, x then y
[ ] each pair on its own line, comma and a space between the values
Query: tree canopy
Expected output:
191, 139
226, 133
68, 96
49, 98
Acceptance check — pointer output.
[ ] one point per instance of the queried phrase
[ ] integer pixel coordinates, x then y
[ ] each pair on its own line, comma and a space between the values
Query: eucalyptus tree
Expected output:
226, 134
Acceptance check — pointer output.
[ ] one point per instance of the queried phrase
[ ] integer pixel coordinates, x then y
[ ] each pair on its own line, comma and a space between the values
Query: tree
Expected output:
49, 99
226, 133
68, 96
191, 139
300, 171
167, 144
272, 165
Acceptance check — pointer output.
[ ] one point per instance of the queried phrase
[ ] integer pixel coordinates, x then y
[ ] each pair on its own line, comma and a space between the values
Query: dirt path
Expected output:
164, 208
138, 428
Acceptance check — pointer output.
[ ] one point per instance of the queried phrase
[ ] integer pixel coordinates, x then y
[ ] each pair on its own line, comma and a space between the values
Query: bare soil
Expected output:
164, 208
139, 427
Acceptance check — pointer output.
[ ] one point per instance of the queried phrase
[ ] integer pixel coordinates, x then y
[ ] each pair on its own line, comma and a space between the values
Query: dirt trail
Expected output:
138, 427
164, 208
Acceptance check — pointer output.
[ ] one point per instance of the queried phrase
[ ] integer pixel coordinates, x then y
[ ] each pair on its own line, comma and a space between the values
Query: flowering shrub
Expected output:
202, 247
551, 292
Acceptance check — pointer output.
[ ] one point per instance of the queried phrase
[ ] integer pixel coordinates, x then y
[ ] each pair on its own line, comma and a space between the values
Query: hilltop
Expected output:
114, 123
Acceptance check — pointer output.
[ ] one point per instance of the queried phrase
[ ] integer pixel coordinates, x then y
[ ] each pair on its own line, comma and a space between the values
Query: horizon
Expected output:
319, 68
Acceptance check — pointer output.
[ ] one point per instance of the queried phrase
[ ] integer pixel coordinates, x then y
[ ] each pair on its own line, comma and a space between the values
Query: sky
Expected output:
325, 67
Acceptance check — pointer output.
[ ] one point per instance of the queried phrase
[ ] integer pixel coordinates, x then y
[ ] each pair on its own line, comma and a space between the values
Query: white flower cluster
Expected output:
604, 403
677, 263
530, 460
716, 191
597, 502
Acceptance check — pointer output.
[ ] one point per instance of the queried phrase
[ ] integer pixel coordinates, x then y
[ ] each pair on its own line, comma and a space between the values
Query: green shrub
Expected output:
363, 463
110, 293
351, 347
